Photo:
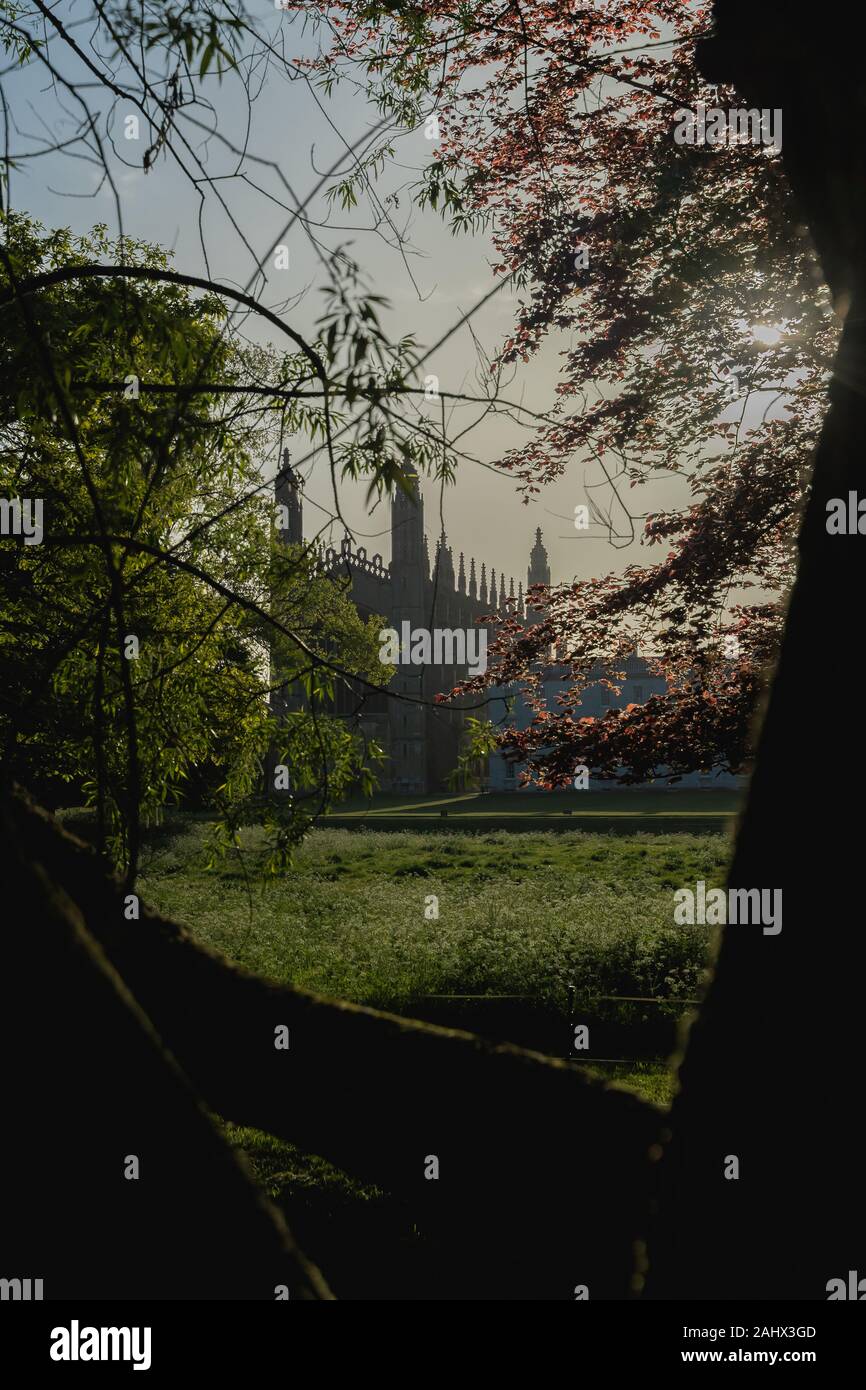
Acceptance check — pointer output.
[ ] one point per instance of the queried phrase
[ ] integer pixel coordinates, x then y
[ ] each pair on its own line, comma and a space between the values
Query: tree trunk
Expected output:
772, 1070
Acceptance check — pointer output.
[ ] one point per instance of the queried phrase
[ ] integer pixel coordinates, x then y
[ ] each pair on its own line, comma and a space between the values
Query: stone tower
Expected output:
539, 565
290, 523
538, 573
410, 579
420, 736
289, 531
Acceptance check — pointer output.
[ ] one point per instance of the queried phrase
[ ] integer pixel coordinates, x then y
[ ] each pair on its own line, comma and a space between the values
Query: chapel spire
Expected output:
539, 565
290, 517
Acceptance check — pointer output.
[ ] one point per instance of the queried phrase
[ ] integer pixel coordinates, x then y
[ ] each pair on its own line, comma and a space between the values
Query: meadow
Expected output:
530, 914
567, 925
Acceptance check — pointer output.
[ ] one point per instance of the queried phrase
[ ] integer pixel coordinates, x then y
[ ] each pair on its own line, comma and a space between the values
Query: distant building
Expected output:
636, 683
422, 742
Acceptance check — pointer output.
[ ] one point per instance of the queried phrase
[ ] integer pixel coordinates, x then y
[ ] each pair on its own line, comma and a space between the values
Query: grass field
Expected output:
532, 926
528, 913
557, 920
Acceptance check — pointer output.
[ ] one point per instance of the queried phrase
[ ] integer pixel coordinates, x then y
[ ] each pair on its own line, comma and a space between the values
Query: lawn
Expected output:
557, 923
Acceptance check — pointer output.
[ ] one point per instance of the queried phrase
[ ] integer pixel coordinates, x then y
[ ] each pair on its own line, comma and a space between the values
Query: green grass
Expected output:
365, 1241
519, 913
653, 1081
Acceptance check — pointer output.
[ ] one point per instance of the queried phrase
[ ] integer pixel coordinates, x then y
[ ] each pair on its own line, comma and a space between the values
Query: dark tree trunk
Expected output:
88, 1085
773, 1066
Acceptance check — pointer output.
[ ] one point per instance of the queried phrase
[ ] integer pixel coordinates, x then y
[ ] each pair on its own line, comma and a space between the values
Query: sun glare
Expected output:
769, 334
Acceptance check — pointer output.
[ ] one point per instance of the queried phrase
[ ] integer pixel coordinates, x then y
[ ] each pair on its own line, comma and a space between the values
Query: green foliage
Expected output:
203, 33
12, 39
442, 191
366, 168
326, 759
144, 536
368, 367
479, 740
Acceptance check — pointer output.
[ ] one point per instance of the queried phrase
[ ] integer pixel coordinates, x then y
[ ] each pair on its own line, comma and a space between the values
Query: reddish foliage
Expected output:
556, 126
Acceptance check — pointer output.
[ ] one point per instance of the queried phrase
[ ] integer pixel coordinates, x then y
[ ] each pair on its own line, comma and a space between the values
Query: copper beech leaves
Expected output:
695, 343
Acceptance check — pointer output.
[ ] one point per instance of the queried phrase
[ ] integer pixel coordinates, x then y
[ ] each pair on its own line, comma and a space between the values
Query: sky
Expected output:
291, 135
